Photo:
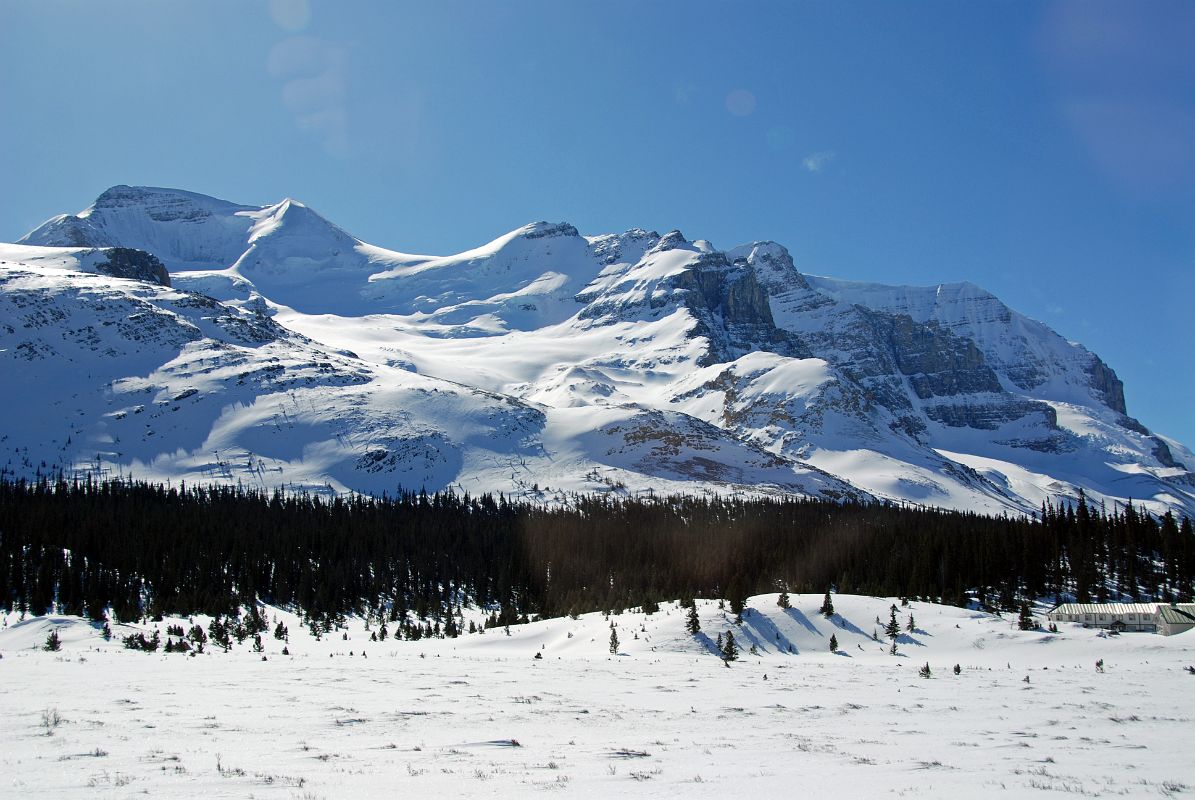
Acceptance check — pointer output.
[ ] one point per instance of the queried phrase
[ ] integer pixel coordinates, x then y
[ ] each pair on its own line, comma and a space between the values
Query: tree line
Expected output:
124, 550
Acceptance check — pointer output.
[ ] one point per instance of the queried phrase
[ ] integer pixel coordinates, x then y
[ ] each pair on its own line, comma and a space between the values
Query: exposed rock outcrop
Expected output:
125, 262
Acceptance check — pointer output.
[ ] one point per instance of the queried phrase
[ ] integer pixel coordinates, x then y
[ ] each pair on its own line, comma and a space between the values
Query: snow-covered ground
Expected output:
479, 716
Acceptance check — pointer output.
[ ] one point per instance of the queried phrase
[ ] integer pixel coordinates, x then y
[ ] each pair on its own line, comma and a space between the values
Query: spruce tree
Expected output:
692, 623
736, 608
53, 643
730, 650
827, 609
892, 630
912, 626
833, 643
783, 600
613, 641
1025, 618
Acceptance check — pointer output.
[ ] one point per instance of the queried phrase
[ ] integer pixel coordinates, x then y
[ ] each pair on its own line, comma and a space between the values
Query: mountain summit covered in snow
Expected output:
169, 335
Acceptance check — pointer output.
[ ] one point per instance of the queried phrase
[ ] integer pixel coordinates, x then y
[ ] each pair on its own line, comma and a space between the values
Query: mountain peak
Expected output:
546, 230
773, 265
122, 196
673, 240
292, 218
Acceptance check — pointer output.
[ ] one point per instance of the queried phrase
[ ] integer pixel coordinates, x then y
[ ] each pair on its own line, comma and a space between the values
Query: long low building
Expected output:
1164, 618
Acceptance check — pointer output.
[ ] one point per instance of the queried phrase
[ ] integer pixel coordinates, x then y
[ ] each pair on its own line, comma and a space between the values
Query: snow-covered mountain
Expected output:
280, 350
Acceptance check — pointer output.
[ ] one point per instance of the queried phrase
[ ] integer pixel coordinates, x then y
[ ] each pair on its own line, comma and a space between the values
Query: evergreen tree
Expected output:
1025, 619
833, 643
783, 600
892, 630
730, 650
53, 643
827, 609
692, 622
911, 626
925, 672
737, 598
613, 641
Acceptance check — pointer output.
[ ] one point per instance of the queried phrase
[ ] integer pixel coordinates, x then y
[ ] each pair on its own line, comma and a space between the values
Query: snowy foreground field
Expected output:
479, 716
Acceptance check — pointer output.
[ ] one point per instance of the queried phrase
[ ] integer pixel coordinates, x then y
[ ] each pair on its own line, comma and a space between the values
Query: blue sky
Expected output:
1045, 151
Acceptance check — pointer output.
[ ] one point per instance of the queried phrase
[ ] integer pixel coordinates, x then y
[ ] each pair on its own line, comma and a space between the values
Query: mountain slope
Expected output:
578, 362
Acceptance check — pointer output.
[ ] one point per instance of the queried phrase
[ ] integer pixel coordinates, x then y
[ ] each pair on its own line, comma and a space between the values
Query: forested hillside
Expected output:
133, 549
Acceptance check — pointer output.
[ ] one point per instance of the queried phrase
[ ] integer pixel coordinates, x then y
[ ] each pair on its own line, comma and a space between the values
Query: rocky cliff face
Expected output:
732, 309
124, 262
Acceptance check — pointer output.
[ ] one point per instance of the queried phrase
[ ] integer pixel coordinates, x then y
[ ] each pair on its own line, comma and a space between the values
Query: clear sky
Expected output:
1045, 151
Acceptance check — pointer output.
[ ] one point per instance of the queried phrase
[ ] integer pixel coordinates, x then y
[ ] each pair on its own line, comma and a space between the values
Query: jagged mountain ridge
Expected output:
646, 361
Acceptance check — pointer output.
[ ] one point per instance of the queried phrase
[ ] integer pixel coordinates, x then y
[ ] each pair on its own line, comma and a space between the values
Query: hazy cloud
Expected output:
816, 162
315, 88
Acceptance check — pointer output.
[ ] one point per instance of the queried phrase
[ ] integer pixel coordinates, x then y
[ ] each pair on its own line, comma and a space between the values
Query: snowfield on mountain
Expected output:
550, 708
173, 336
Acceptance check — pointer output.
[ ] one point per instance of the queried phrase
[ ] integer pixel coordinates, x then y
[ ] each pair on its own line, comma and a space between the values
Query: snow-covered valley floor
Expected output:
479, 716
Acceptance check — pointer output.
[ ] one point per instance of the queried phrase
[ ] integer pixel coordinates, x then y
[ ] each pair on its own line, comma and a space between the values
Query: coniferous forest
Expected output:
124, 551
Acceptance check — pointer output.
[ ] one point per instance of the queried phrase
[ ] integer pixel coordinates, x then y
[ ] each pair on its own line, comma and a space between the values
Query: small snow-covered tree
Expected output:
783, 600
614, 641
833, 643
53, 643
912, 626
925, 672
692, 622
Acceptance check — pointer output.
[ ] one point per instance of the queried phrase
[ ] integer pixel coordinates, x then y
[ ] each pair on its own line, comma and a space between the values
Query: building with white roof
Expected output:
1164, 618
